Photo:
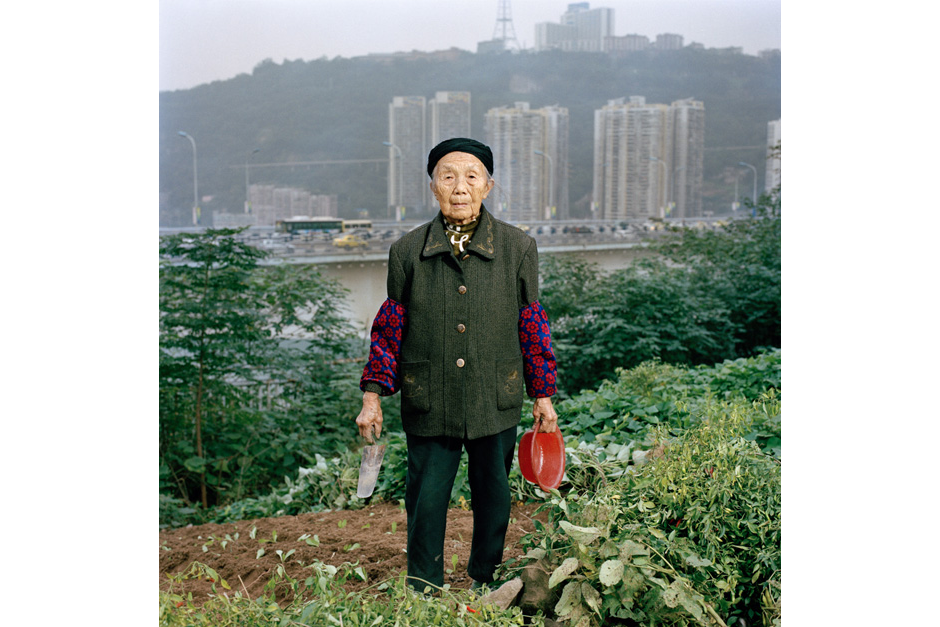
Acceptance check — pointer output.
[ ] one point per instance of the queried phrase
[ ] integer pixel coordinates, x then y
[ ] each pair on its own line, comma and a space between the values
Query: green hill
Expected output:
337, 111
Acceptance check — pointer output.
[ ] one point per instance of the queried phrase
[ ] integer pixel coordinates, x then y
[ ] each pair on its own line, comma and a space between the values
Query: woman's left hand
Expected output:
544, 413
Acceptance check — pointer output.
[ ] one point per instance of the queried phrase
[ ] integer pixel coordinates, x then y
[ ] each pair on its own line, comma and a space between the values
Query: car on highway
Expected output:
350, 240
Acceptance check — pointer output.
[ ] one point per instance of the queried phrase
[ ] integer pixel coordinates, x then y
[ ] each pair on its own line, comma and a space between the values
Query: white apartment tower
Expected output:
407, 154
530, 154
772, 173
648, 159
686, 157
450, 116
415, 125
580, 29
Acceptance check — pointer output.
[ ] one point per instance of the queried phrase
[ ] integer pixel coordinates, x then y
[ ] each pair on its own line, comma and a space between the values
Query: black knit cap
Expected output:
461, 144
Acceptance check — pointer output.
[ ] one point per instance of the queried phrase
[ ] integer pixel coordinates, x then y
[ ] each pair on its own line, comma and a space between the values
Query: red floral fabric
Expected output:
388, 328
539, 369
538, 358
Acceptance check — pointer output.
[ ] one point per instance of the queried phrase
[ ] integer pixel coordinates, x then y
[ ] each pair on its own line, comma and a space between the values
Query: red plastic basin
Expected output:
542, 457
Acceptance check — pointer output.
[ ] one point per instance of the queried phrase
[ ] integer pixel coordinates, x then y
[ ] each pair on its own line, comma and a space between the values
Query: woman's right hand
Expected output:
370, 416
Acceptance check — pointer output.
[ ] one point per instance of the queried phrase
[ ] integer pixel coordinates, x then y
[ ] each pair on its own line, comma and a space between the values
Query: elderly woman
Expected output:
462, 335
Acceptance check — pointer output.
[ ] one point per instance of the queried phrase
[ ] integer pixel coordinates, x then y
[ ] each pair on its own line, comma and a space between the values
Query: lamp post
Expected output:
247, 188
400, 179
551, 181
753, 169
195, 179
664, 186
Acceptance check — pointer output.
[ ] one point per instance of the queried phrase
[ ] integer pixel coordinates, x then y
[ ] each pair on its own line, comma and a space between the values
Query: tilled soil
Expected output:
373, 538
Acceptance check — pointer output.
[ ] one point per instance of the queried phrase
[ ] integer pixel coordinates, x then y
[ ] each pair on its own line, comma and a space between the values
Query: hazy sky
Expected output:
206, 40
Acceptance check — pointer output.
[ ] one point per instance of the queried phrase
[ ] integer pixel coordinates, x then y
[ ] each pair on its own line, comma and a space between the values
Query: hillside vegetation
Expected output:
337, 110
259, 370
669, 511
669, 514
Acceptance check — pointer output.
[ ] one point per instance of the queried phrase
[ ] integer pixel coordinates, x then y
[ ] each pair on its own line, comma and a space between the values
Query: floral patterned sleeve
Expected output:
538, 359
381, 369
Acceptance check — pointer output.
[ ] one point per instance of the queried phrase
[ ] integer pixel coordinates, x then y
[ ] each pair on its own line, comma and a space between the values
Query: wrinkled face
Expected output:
460, 184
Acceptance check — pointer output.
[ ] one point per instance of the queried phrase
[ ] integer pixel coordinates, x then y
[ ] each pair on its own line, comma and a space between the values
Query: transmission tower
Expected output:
504, 30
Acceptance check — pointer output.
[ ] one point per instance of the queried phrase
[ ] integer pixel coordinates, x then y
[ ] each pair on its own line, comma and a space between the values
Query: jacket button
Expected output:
460, 363
461, 328
462, 289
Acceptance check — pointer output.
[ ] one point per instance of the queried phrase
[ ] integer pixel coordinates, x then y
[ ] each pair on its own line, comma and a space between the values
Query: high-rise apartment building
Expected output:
415, 125
530, 154
407, 174
450, 116
580, 29
629, 142
772, 173
686, 157
648, 159
551, 36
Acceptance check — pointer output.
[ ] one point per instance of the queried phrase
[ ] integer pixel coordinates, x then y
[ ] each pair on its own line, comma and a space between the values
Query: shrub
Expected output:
249, 361
741, 265
708, 296
654, 393
691, 537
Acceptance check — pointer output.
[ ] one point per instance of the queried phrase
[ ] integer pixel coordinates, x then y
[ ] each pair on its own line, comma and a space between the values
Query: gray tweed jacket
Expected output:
461, 362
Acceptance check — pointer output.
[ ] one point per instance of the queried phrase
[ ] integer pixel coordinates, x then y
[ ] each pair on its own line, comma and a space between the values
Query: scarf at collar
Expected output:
459, 234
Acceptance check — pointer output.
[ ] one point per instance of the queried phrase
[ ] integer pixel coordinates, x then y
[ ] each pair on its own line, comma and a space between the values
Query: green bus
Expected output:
305, 224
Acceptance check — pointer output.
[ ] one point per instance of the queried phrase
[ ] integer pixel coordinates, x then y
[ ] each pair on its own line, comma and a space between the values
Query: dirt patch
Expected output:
379, 530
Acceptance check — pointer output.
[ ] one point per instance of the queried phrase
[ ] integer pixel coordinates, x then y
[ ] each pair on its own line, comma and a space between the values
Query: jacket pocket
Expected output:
509, 382
415, 396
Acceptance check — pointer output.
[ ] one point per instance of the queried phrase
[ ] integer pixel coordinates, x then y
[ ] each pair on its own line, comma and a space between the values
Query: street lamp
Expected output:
748, 165
247, 192
664, 185
551, 181
400, 179
195, 179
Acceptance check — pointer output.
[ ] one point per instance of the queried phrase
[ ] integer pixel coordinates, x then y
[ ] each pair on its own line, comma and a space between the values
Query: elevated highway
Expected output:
362, 270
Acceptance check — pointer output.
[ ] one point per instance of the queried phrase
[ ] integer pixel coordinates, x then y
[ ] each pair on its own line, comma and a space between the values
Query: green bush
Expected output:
655, 393
689, 537
255, 369
708, 296
741, 265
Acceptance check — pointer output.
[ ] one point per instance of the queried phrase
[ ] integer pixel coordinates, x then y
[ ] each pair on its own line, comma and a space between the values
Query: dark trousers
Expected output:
432, 467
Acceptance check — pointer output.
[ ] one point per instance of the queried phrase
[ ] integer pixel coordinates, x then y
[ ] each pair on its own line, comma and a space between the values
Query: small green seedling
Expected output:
312, 541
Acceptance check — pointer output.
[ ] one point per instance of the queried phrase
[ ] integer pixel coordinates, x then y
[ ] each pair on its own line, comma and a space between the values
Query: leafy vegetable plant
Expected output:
690, 538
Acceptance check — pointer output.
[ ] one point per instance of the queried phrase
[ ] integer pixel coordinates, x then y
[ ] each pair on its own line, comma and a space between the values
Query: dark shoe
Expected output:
478, 585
